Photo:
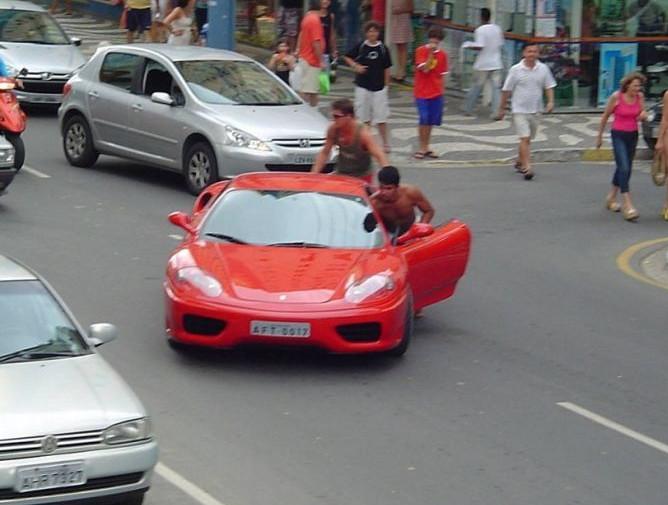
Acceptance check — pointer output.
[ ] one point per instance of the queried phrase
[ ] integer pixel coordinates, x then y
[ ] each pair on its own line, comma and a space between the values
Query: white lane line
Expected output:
35, 172
592, 416
175, 236
192, 490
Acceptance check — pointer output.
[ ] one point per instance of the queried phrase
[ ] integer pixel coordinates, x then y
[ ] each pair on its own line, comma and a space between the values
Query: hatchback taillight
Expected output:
66, 89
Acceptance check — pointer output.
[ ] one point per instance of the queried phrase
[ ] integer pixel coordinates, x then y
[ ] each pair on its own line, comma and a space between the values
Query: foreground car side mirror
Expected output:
417, 230
162, 98
101, 333
182, 220
75, 41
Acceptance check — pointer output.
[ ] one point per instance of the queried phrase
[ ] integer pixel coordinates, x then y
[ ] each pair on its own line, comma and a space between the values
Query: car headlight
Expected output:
371, 286
128, 432
7, 154
199, 279
242, 139
651, 115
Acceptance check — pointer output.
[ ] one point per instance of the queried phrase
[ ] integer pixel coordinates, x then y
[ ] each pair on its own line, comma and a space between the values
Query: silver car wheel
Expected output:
199, 169
75, 140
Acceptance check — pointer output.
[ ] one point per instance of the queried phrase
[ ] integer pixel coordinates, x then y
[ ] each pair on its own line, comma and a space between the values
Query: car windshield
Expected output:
235, 83
30, 27
294, 219
32, 320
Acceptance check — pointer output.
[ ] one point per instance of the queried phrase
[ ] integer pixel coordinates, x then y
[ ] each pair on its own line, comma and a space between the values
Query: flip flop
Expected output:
431, 154
528, 174
419, 155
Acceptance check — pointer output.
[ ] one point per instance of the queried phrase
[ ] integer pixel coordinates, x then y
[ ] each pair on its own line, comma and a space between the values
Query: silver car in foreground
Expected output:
203, 112
70, 428
30, 38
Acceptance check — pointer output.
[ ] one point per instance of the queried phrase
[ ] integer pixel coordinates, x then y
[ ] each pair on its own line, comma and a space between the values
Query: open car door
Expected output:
437, 262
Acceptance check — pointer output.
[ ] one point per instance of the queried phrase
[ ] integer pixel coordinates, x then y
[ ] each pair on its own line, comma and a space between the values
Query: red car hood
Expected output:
285, 274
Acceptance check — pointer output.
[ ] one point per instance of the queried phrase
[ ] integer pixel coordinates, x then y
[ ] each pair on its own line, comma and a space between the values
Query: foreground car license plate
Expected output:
37, 477
275, 329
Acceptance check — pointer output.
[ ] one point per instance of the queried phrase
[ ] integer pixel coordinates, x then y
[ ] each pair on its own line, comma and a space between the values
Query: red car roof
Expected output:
298, 181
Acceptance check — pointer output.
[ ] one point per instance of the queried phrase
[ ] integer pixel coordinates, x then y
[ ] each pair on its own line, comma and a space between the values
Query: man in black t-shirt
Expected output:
371, 62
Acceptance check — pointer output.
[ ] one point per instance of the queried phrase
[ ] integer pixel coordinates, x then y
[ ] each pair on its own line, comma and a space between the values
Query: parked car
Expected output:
203, 112
30, 38
650, 128
304, 260
70, 428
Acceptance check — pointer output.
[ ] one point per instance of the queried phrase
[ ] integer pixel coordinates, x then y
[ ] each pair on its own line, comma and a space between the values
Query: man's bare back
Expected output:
397, 210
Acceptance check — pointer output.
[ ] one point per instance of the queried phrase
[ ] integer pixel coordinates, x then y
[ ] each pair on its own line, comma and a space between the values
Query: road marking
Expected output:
619, 428
624, 260
192, 490
35, 172
175, 236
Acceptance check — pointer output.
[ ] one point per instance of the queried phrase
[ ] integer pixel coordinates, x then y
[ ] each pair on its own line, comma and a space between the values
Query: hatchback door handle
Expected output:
93, 94
137, 107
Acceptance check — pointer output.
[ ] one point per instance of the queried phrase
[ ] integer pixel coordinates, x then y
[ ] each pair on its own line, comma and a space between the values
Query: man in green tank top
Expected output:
356, 145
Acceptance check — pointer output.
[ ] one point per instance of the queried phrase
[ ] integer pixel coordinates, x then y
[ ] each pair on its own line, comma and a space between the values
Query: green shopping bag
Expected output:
324, 83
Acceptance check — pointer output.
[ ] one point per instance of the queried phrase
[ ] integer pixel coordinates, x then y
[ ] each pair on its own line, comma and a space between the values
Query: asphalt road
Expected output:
470, 415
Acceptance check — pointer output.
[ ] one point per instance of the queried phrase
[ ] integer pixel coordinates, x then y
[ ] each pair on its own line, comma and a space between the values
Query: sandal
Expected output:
431, 154
630, 214
419, 155
612, 205
518, 166
528, 174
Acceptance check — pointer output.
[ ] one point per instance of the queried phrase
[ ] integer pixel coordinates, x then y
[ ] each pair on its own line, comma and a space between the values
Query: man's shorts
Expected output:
310, 78
526, 125
139, 20
430, 110
371, 106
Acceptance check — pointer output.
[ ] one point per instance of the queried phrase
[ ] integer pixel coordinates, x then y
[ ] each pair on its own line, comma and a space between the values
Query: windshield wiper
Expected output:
229, 238
34, 352
299, 244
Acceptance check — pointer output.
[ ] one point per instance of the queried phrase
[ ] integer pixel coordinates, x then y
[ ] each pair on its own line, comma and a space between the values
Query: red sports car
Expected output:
303, 259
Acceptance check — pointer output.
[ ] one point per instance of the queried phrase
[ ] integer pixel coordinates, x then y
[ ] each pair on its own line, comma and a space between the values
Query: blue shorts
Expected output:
139, 20
430, 110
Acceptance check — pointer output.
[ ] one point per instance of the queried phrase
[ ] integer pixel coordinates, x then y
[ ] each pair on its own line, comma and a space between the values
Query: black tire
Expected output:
401, 349
200, 168
78, 143
19, 149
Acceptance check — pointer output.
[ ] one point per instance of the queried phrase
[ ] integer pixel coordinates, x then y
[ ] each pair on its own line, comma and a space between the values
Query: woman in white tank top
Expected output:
179, 22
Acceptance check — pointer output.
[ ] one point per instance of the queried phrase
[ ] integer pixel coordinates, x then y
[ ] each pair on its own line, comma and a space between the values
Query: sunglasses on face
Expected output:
337, 115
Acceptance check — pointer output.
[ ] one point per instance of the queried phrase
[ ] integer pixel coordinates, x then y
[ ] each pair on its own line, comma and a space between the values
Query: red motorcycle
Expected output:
12, 118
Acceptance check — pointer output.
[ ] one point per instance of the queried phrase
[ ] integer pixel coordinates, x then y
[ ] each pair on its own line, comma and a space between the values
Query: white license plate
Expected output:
275, 329
44, 99
37, 477
304, 160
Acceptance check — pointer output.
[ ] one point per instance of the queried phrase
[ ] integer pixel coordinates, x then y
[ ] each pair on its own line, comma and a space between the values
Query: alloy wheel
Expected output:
75, 140
199, 169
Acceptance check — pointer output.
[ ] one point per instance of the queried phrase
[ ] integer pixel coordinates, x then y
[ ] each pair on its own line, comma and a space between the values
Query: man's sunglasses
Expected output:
337, 115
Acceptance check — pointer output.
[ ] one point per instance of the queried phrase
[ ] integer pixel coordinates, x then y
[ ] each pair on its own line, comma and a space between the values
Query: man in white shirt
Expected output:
527, 81
488, 65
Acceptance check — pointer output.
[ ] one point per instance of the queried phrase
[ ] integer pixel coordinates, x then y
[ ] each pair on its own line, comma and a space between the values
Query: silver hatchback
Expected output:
70, 428
203, 112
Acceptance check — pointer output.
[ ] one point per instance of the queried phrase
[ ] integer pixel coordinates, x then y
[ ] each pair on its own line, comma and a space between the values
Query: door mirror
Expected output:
75, 41
417, 230
101, 333
182, 220
162, 98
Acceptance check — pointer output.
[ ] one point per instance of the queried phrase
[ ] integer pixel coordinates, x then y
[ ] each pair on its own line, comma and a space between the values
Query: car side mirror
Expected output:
76, 41
417, 230
182, 220
101, 333
162, 98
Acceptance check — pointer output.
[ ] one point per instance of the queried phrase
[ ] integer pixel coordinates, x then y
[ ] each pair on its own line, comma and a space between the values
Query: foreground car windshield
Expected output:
234, 83
30, 27
294, 218
31, 320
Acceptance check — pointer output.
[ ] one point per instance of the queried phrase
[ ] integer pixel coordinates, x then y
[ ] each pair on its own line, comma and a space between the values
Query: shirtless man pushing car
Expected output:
396, 203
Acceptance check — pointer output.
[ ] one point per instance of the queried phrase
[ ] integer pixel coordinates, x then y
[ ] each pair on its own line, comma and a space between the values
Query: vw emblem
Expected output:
46, 76
49, 444
304, 143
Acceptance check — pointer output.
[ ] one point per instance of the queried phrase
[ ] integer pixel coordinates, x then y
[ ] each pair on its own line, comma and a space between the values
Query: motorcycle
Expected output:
12, 124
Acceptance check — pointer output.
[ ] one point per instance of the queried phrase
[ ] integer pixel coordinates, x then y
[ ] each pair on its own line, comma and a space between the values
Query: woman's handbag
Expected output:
658, 170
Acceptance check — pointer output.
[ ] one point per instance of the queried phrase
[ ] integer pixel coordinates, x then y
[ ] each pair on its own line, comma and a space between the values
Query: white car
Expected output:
70, 428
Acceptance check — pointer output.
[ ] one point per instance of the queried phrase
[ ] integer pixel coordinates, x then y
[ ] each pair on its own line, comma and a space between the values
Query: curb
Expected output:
549, 155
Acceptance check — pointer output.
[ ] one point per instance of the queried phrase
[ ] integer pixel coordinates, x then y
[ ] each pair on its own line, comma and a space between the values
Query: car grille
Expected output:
285, 167
299, 143
200, 325
100, 483
53, 86
362, 332
67, 442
